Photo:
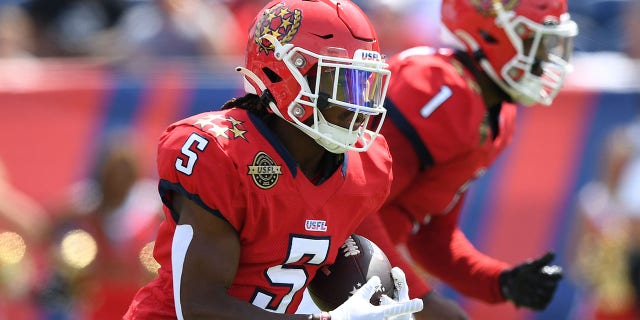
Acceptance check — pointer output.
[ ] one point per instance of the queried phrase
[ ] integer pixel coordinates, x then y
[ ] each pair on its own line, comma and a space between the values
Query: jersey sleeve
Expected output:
433, 96
192, 163
442, 249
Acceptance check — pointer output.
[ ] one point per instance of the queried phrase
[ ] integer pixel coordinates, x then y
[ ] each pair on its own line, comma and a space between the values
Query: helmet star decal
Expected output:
280, 22
486, 6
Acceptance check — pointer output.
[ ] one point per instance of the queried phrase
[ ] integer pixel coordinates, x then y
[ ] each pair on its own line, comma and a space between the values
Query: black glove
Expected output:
532, 283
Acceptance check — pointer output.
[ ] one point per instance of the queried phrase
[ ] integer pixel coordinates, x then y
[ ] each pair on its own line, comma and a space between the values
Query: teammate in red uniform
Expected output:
451, 114
260, 195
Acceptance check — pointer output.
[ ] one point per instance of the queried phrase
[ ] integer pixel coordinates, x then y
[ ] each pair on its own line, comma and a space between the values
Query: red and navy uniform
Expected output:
441, 136
232, 165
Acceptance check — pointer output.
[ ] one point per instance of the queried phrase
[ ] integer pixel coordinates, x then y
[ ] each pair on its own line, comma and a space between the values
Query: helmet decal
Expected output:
334, 52
280, 22
486, 6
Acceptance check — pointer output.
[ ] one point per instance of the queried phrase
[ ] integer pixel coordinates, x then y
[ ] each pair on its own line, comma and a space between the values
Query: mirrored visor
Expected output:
351, 88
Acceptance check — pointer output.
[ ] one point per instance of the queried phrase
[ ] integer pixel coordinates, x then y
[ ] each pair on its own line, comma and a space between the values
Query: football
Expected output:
358, 260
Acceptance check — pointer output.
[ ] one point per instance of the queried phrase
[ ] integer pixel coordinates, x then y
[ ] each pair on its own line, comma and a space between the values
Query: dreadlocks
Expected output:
252, 103
249, 102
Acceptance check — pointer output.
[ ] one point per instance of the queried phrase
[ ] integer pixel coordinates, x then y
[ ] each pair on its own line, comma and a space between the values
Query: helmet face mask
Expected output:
525, 45
355, 84
311, 57
541, 63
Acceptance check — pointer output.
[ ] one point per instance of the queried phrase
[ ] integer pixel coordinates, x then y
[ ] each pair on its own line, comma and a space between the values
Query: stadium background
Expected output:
55, 114
520, 208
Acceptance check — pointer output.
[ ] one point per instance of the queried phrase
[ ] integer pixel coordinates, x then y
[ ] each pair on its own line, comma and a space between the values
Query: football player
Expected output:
260, 195
452, 112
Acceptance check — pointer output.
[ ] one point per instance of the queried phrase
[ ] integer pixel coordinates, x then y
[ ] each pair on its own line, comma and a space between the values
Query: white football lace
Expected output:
350, 248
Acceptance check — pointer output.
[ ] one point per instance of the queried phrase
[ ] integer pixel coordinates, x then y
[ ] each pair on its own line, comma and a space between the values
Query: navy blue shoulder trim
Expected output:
166, 186
275, 142
424, 156
345, 163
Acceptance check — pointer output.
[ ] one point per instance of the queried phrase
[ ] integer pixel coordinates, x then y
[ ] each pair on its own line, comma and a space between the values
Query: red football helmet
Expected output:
523, 45
306, 55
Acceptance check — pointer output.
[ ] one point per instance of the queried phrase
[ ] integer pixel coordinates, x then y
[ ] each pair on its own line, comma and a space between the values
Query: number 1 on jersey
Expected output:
436, 101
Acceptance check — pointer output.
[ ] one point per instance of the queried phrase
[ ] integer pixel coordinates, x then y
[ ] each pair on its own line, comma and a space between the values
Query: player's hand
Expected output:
440, 308
531, 284
401, 293
358, 306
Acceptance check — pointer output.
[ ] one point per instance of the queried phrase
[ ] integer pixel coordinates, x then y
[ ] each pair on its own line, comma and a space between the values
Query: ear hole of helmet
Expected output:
311, 76
273, 77
487, 37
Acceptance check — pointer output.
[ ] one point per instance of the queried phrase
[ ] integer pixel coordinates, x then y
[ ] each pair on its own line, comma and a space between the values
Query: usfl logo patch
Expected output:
264, 171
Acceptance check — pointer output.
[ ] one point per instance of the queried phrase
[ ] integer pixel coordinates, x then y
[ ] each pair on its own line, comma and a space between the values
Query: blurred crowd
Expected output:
129, 30
122, 29
86, 259
99, 246
606, 241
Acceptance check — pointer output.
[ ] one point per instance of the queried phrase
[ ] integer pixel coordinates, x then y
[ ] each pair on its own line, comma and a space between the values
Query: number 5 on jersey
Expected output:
191, 156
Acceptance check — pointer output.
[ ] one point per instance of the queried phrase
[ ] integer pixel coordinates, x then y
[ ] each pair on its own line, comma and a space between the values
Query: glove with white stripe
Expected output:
531, 284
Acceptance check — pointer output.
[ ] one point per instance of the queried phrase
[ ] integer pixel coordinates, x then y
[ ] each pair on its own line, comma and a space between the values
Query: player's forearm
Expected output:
454, 260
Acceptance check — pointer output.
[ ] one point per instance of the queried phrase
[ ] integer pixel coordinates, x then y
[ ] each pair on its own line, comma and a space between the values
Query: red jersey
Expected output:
441, 137
236, 168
